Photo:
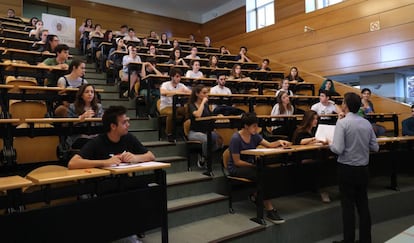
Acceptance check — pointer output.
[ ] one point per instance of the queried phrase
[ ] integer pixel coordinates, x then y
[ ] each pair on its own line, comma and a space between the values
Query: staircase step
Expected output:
191, 183
194, 208
222, 228
145, 135
169, 159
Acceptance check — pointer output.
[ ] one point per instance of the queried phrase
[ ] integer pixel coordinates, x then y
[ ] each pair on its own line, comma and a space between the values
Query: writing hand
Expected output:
128, 157
114, 160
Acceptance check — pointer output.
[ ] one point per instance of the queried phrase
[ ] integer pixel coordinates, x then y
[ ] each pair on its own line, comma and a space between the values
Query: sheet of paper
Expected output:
130, 165
324, 132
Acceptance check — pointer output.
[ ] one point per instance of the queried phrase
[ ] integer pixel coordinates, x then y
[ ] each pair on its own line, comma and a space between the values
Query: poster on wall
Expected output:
63, 27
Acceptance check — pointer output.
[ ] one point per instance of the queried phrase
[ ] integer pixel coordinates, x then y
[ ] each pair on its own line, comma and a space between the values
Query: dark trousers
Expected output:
353, 182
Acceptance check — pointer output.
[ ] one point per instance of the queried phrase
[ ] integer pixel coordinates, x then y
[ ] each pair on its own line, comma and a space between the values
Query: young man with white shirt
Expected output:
193, 53
324, 106
221, 89
167, 90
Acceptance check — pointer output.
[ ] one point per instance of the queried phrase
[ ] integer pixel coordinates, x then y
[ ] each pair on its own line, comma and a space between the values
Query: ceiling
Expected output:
190, 10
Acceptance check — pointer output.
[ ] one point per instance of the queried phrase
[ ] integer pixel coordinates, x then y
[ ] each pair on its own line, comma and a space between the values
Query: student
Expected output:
224, 51
293, 75
221, 88
75, 78
168, 89
285, 88
176, 57
282, 107
242, 57
324, 106
32, 23
114, 146
35, 33
241, 165
86, 105
52, 41
352, 141
408, 124
164, 40
123, 31
149, 67
195, 71
305, 135
132, 56
328, 85
368, 107
40, 45
60, 61
207, 41
84, 30
193, 53
131, 36
198, 107
264, 66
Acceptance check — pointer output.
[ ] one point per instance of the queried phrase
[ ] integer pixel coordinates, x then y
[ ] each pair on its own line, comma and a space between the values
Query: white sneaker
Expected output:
201, 162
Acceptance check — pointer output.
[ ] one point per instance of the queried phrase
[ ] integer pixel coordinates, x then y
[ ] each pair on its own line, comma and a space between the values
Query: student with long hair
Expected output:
305, 135
198, 107
85, 106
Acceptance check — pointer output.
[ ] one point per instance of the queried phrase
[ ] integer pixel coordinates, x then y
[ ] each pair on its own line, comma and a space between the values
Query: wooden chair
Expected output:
232, 180
33, 149
192, 146
20, 81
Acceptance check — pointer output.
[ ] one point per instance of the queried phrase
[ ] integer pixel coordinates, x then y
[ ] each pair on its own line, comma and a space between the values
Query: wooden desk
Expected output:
120, 197
260, 154
16, 43
13, 182
384, 117
12, 186
18, 34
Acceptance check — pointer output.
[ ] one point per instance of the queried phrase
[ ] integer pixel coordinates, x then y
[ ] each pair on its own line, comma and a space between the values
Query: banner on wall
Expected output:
63, 27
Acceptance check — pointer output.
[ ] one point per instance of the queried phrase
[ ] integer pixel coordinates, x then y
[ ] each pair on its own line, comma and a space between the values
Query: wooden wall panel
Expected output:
285, 9
228, 25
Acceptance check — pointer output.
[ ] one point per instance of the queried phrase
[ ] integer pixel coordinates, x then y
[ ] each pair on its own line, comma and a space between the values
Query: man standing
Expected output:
114, 146
353, 139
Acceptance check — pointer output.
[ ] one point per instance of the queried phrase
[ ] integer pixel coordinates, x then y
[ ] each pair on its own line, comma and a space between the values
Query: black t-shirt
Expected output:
199, 126
102, 148
153, 82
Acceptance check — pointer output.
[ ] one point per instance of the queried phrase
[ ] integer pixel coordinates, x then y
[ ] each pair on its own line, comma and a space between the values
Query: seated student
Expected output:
164, 40
52, 41
328, 85
191, 38
324, 106
149, 67
40, 45
221, 88
123, 31
176, 57
76, 76
132, 56
264, 66
32, 23
241, 165
115, 57
193, 53
152, 50
74, 79
304, 135
85, 106
282, 107
153, 35
195, 71
175, 44
198, 107
131, 36
34, 34
408, 124
224, 51
293, 75
167, 89
285, 88
207, 41
60, 61
114, 146
242, 57
11, 14
368, 107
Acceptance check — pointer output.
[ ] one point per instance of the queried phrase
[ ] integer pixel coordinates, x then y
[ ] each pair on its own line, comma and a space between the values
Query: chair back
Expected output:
226, 158
186, 127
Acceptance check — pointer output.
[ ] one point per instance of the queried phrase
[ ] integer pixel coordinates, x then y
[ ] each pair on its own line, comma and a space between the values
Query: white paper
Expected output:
131, 165
325, 132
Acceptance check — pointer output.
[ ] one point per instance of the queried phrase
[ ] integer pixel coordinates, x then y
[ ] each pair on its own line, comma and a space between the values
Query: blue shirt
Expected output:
353, 139
237, 145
